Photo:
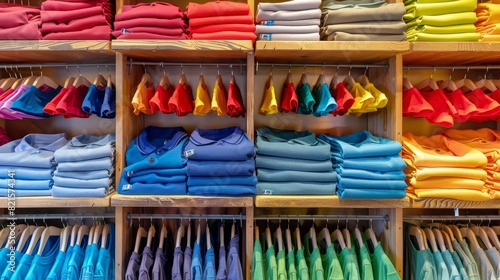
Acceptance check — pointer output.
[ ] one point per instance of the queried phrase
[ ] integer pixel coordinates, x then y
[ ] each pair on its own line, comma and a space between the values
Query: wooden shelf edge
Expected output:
449, 47
55, 45
57, 202
394, 47
443, 203
180, 201
325, 201
194, 45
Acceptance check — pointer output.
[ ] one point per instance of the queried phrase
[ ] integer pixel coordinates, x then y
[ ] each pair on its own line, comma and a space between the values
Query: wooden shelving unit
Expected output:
42, 202
326, 201
180, 201
452, 53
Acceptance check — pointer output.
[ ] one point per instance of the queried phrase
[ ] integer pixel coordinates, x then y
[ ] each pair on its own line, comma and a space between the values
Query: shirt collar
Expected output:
91, 140
230, 135
171, 136
48, 142
290, 136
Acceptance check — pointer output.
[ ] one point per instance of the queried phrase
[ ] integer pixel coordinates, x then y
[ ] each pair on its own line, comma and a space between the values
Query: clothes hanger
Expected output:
439, 239
312, 237
324, 234
180, 234
267, 232
165, 81
303, 79
370, 234
347, 238
466, 84
104, 234
334, 82
188, 237
449, 84
109, 81
415, 231
337, 236
44, 80
428, 83
198, 233
7, 83
363, 79
492, 236
486, 84
163, 235
447, 241
298, 242
96, 236
81, 80
289, 78
278, 234
448, 231
496, 229
182, 78
74, 234
481, 234
91, 235
18, 82
35, 237
46, 234
256, 232
456, 232
431, 239
31, 79
471, 237
141, 233
209, 240
25, 235
65, 238
233, 229
288, 238
69, 80
349, 80
321, 79
151, 234
406, 82
4, 234
359, 237
221, 234
99, 80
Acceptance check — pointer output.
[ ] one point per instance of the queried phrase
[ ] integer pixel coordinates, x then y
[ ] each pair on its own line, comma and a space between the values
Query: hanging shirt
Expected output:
362, 98
42, 263
160, 99
257, 264
324, 102
313, 259
177, 264
280, 261
100, 102
349, 265
56, 270
289, 99
271, 264
64, 272
331, 265
105, 266
465, 108
50, 108
290, 265
91, 255
306, 100
202, 105
415, 105
450, 265
380, 98
34, 100
443, 109
196, 263
235, 106
108, 107
141, 98
222, 269
494, 258
181, 101
269, 105
70, 105
382, 265
133, 267
219, 97
159, 265
486, 270
209, 265
76, 261
467, 259
343, 97
441, 268
146, 264
188, 254
460, 267
488, 108
365, 264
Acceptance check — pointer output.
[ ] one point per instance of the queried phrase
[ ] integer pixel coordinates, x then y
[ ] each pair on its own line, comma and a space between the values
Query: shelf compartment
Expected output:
452, 53
57, 202
453, 203
184, 50
179, 201
325, 201
327, 51
60, 51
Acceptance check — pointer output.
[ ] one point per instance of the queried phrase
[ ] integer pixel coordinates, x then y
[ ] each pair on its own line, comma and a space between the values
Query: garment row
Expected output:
458, 164
178, 99
350, 97
446, 251
71, 252
188, 252
39, 97
305, 254
49, 164
445, 102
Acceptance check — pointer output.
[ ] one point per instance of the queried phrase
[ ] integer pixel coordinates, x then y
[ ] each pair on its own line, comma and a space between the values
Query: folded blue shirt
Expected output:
86, 147
222, 181
370, 194
27, 173
354, 183
379, 164
279, 163
83, 184
325, 103
220, 168
291, 144
153, 189
153, 178
19, 184
296, 188
371, 175
269, 175
104, 163
230, 143
157, 172
227, 190
79, 192
362, 144
85, 175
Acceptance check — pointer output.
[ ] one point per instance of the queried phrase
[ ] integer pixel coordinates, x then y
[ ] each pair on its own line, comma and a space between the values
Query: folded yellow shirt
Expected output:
493, 175
491, 29
202, 104
464, 37
490, 38
269, 104
447, 183
440, 151
493, 186
487, 13
460, 194
442, 8
484, 140
362, 98
436, 172
451, 29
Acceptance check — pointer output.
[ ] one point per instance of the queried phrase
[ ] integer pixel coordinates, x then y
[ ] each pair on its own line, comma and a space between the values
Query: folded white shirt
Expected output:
288, 15
300, 22
290, 37
294, 5
263, 29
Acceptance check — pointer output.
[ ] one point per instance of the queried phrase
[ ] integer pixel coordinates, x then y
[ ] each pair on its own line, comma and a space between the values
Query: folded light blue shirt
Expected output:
379, 164
372, 175
269, 175
28, 173
220, 168
86, 147
83, 184
291, 144
19, 184
362, 144
222, 181
33, 150
355, 183
24, 193
104, 163
83, 175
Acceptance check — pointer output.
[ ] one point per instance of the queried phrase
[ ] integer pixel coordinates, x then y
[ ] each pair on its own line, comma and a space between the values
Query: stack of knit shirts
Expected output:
438, 167
76, 20
220, 162
220, 20
155, 164
27, 164
157, 20
368, 167
488, 21
19, 22
85, 167
445, 21
291, 162
486, 141
363, 22
295, 20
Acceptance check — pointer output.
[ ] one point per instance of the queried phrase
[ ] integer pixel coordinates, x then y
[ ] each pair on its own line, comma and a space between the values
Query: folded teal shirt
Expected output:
269, 175
296, 188
280, 163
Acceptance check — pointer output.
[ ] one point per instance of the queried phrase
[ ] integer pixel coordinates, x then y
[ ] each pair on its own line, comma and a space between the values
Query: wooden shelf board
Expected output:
57, 202
452, 203
179, 201
183, 50
327, 51
325, 201
452, 53
71, 51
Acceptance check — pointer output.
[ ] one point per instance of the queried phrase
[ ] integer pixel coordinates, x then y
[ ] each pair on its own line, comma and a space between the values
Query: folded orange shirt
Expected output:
460, 194
484, 140
447, 183
436, 172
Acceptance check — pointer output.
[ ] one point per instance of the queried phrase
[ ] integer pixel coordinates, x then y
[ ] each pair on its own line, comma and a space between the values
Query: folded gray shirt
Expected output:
290, 37
300, 22
373, 27
343, 36
389, 12
288, 15
294, 5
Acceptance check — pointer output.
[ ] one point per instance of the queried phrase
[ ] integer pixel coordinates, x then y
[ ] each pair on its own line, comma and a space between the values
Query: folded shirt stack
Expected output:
295, 20
445, 21
220, 163
156, 20
155, 163
486, 141
368, 167
85, 167
76, 20
27, 165
488, 21
220, 20
377, 21
19, 22
291, 162
438, 167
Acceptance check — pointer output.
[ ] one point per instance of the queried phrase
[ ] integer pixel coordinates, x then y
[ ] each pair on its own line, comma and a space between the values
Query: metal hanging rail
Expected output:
482, 67
45, 65
454, 218
257, 64
31, 217
325, 217
184, 217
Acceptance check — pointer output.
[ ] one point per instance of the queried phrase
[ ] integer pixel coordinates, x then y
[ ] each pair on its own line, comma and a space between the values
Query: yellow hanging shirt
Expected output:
219, 98
202, 101
269, 104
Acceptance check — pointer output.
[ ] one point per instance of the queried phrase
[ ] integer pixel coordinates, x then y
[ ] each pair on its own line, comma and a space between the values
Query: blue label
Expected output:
268, 22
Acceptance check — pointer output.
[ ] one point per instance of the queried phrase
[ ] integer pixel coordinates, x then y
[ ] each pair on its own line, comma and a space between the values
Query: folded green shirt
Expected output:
431, 9
464, 37
452, 29
444, 20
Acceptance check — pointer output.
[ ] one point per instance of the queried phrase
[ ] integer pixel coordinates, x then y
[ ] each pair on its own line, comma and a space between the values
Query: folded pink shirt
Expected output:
70, 6
153, 10
150, 30
241, 19
14, 19
151, 36
216, 8
151, 22
66, 16
94, 33
74, 25
28, 31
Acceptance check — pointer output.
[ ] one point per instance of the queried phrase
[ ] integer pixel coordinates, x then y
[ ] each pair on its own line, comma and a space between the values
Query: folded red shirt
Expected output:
28, 31
241, 19
67, 16
150, 22
152, 36
94, 33
222, 27
151, 30
216, 8
74, 25
226, 35
152, 10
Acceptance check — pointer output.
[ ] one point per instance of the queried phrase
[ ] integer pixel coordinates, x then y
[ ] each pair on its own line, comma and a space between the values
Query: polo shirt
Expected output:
458, 263
235, 106
7, 273
382, 265
306, 100
450, 265
271, 264
220, 181
146, 264
209, 265
217, 20
362, 98
181, 101
196, 263
441, 268
22, 267
289, 99
370, 193
89, 263
459, 194
104, 163
222, 190
133, 266
151, 139
280, 260
77, 183
291, 144
153, 177
202, 104
26, 173
355, 183
105, 266
34, 100
331, 264
5, 106
343, 97
156, 10
484, 139
371, 175
50, 108
33, 150
141, 98
195, 10
188, 254
69, 251
93, 100
234, 268
436, 172
467, 259
443, 109
222, 268
361, 144
221, 168
83, 175
349, 265
108, 107
415, 105
56, 270
324, 102
219, 97
230, 143
439, 151
380, 98
177, 264
70, 104
296, 187
290, 265
465, 108
87, 147
313, 259
257, 264
269, 175
494, 258
27, 184
280, 163
269, 105
486, 270
76, 261
301, 265
158, 271
422, 263
378, 164
487, 107
448, 183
